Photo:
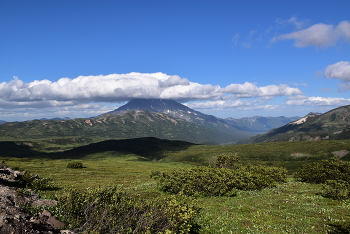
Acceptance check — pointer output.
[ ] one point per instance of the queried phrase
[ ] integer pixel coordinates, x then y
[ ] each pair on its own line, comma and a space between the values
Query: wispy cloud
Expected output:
319, 35
235, 39
326, 90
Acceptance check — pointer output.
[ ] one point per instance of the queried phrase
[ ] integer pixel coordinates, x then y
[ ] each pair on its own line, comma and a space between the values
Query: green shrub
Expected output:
340, 227
75, 165
336, 189
34, 182
112, 210
199, 180
218, 181
259, 177
227, 161
320, 172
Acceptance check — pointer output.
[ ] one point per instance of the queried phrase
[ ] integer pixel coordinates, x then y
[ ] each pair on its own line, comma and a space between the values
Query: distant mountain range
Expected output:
259, 123
166, 119
248, 124
332, 125
132, 124
65, 118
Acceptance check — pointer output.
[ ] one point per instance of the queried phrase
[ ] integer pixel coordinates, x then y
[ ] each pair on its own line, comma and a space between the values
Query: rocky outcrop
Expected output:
16, 220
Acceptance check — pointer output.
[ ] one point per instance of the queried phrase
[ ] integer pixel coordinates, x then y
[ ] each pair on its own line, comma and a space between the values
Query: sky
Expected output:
82, 58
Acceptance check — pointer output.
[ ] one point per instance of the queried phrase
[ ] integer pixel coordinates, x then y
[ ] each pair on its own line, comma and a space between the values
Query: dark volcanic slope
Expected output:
163, 106
178, 110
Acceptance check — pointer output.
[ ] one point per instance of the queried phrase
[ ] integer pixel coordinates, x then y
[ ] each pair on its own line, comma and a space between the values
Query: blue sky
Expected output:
234, 59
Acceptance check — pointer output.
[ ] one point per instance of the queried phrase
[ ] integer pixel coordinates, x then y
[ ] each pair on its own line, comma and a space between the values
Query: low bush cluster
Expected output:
336, 189
342, 227
35, 182
218, 181
75, 165
333, 173
113, 210
227, 161
320, 172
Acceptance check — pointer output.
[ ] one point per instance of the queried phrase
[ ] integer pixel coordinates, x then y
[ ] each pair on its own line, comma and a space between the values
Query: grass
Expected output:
291, 207
99, 169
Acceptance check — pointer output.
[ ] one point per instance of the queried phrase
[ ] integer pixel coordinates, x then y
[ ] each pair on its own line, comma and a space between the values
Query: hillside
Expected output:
132, 124
332, 125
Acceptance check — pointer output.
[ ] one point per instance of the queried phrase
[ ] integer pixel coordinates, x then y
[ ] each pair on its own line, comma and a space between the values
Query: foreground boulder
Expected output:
13, 218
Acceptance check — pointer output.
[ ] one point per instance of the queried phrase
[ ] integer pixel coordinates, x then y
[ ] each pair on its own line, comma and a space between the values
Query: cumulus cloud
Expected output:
124, 87
234, 105
219, 104
251, 90
319, 35
317, 101
30, 111
89, 95
340, 70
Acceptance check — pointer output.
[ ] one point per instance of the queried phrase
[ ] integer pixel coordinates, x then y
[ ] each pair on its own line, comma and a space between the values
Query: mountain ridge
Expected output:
332, 125
132, 124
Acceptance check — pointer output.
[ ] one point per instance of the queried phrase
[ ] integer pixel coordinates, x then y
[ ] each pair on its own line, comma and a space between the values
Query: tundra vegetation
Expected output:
260, 188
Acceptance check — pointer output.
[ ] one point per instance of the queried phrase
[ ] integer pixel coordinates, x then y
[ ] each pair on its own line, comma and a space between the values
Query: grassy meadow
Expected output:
291, 207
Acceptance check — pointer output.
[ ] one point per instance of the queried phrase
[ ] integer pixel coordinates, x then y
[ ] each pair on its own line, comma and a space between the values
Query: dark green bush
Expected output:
199, 180
227, 161
218, 181
75, 165
112, 210
340, 227
34, 182
320, 172
336, 189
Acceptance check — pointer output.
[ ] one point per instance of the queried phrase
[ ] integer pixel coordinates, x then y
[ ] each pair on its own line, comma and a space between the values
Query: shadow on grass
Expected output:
150, 148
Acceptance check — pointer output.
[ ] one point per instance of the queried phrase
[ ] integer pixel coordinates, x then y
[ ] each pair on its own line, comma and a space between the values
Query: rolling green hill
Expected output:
287, 154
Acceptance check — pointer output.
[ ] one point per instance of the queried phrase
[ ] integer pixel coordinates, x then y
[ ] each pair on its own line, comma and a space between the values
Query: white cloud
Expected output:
299, 24
28, 112
340, 70
319, 35
236, 106
318, 101
124, 87
251, 90
89, 95
219, 104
